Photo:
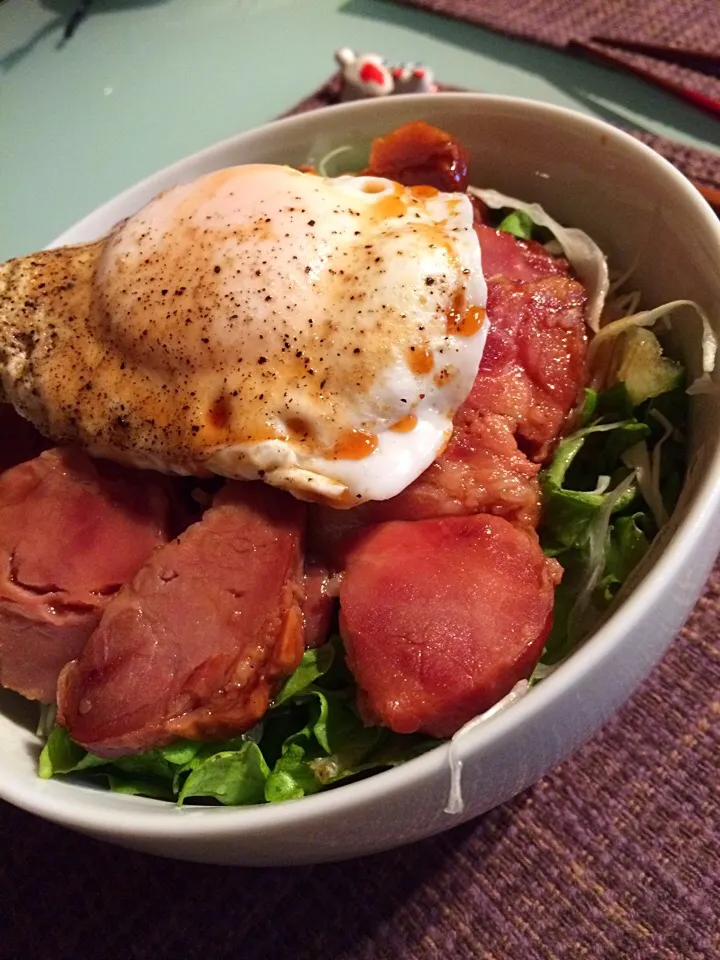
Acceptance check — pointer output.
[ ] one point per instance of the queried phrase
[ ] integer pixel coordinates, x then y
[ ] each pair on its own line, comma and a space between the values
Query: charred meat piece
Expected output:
504, 255
417, 154
318, 606
441, 618
533, 367
72, 531
195, 644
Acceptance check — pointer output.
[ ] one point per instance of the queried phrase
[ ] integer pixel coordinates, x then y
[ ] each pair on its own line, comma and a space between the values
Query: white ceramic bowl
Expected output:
636, 206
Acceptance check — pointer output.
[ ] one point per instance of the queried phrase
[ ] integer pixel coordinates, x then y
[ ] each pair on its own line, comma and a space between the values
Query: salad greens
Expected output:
519, 224
612, 483
310, 738
599, 516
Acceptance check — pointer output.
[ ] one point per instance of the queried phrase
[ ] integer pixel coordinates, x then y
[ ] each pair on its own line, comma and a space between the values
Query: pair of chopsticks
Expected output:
701, 61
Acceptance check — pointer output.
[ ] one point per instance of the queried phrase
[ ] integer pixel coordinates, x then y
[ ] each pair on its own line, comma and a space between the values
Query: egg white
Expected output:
296, 306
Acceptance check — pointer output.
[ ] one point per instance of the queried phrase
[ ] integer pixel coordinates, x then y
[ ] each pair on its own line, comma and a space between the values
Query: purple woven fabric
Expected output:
691, 24
615, 855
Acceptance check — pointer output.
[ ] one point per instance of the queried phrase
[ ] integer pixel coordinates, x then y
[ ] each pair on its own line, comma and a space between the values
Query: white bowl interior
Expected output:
642, 212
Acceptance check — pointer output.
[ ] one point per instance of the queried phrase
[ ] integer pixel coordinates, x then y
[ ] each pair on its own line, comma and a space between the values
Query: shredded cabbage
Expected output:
46, 720
324, 163
637, 458
455, 803
581, 250
647, 318
656, 459
596, 558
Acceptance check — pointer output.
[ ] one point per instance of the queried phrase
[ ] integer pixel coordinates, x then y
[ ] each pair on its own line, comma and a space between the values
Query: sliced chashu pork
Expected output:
441, 618
72, 531
196, 643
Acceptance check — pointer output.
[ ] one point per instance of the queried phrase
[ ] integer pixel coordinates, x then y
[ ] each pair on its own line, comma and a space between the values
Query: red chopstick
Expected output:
691, 96
711, 194
702, 61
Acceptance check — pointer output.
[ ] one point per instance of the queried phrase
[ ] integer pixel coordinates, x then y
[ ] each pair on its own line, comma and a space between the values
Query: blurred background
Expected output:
142, 83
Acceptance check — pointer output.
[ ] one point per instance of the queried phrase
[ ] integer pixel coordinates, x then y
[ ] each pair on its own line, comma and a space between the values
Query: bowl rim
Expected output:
73, 806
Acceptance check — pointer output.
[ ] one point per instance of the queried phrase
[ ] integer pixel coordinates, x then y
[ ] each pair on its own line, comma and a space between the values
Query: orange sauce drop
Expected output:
406, 425
390, 206
420, 360
354, 445
465, 321
298, 428
444, 376
219, 413
421, 192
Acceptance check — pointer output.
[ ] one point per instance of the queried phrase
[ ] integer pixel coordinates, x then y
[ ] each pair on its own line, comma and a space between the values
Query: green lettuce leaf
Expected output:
598, 536
139, 787
234, 777
627, 546
311, 737
60, 756
315, 663
519, 224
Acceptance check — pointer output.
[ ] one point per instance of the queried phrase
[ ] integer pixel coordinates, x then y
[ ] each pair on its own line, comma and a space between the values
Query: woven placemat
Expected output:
616, 854
572, 24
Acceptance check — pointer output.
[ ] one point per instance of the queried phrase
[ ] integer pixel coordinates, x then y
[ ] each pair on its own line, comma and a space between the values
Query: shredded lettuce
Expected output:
608, 490
343, 160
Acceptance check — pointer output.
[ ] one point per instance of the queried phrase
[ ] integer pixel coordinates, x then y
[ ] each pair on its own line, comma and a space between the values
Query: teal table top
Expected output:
145, 82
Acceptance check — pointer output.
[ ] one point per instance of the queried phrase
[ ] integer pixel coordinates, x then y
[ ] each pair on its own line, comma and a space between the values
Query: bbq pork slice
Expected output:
441, 618
195, 645
504, 255
72, 531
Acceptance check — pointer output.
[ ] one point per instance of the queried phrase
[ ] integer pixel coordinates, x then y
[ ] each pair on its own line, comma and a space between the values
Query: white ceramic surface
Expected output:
639, 209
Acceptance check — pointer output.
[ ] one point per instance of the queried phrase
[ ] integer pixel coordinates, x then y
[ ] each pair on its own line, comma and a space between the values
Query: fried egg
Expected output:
260, 322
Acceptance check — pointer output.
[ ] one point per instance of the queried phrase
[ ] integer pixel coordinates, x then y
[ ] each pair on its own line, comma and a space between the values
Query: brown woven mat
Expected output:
615, 855
691, 24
